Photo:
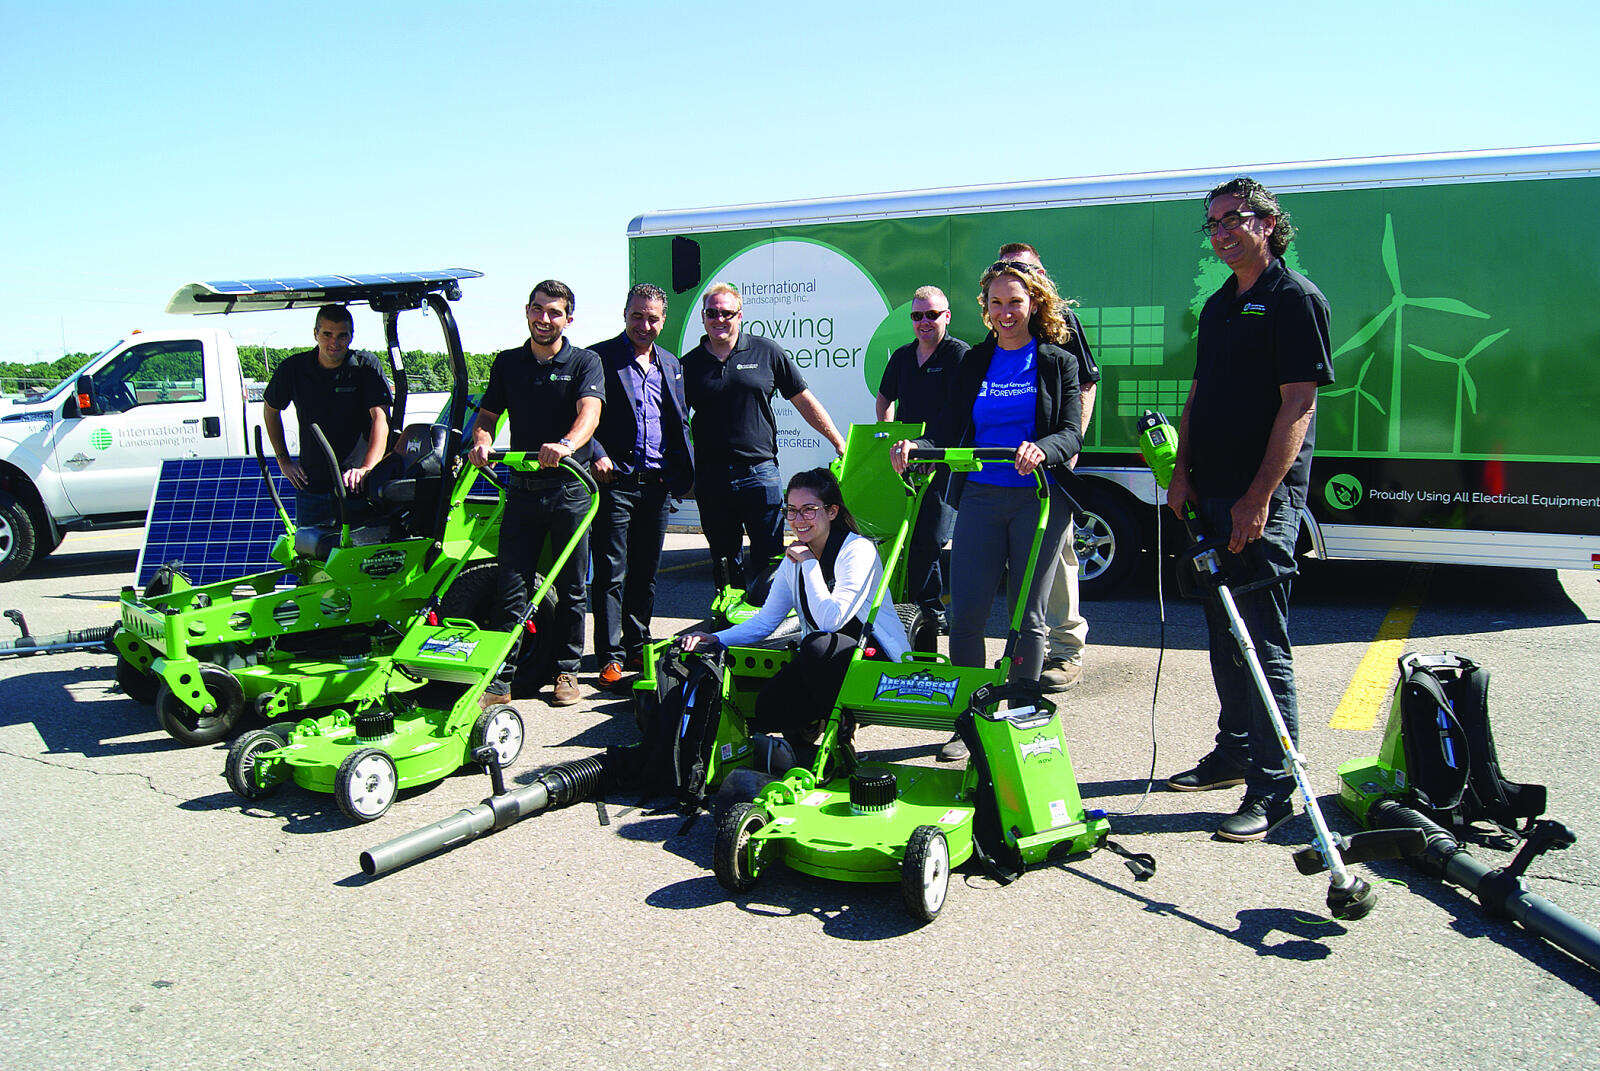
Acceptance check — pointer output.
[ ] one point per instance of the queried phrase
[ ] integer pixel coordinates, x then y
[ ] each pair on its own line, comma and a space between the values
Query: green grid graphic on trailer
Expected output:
1125, 335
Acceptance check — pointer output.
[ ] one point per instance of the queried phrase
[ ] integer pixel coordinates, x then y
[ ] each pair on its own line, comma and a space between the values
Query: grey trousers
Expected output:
994, 530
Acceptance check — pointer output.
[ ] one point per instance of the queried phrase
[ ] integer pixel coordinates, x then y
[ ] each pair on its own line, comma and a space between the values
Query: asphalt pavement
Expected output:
151, 919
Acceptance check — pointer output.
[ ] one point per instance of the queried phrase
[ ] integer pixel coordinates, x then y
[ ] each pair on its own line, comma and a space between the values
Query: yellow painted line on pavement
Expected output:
686, 565
1373, 684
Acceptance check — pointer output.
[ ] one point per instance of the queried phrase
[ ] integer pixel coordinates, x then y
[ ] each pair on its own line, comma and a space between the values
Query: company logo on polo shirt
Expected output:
744, 367
1253, 308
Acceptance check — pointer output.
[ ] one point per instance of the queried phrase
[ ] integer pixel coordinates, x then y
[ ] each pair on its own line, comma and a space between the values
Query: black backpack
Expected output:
678, 726
1454, 773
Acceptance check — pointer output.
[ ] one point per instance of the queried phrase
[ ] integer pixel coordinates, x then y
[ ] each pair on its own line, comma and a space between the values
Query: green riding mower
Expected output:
318, 631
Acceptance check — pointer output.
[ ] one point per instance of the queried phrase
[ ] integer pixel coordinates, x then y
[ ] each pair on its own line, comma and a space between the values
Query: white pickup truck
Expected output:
86, 453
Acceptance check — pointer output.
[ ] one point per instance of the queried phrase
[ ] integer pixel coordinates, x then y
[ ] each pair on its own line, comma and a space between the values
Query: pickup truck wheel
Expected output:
18, 537
1109, 546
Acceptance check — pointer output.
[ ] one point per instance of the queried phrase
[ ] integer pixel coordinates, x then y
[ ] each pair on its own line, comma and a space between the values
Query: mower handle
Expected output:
924, 454
523, 460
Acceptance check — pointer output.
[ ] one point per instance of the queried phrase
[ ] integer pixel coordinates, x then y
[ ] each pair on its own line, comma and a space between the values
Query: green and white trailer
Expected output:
1464, 426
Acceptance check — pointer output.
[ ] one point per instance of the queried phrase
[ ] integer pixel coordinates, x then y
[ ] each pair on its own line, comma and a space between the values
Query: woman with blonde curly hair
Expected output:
1018, 389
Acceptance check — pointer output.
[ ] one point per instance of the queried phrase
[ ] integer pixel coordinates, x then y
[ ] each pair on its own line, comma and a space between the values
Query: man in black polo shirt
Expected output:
915, 387
642, 460
344, 394
1244, 461
553, 391
729, 380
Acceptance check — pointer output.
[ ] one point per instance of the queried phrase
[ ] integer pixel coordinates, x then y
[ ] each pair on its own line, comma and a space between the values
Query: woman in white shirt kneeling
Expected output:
828, 576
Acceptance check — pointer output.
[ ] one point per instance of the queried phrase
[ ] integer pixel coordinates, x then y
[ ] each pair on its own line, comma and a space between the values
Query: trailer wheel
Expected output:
1108, 547
240, 767
18, 537
921, 629
216, 723
925, 873
501, 728
366, 784
734, 859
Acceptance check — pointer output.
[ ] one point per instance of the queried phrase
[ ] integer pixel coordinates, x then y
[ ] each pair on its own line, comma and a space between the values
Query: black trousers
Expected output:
800, 696
550, 511
627, 537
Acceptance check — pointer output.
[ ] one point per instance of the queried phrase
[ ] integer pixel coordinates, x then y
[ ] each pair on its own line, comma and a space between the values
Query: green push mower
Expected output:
400, 735
1016, 803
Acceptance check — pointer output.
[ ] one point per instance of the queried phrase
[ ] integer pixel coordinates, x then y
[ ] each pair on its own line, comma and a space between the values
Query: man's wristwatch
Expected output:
565, 442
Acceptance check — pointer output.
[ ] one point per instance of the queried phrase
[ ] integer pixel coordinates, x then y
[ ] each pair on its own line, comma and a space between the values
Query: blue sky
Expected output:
148, 145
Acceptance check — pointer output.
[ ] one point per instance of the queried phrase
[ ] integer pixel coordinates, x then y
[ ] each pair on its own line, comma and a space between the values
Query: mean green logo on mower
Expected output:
384, 563
1040, 745
917, 688
1343, 492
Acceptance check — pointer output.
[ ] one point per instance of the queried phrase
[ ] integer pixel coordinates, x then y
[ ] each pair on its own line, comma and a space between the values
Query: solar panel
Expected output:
298, 292
214, 515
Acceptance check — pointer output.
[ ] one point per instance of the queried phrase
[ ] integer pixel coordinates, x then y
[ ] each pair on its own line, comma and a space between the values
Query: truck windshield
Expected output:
72, 377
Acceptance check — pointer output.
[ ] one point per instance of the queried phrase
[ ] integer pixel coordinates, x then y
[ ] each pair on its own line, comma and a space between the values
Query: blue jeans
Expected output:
1244, 729
315, 510
737, 498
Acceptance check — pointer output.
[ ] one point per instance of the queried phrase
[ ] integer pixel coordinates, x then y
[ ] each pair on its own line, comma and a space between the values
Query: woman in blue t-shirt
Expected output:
1018, 389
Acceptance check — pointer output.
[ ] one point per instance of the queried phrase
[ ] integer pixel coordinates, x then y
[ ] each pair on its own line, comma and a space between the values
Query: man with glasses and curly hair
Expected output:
1244, 463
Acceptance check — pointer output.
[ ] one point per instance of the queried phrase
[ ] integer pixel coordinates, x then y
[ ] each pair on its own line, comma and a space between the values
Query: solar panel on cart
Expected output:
215, 516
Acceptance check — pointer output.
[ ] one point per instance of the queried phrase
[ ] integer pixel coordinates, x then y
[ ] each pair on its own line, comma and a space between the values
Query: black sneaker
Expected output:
1256, 817
1216, 770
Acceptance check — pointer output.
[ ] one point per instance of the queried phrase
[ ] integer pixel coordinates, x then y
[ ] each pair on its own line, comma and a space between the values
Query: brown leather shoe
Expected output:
566, 691
611, 673
493, 699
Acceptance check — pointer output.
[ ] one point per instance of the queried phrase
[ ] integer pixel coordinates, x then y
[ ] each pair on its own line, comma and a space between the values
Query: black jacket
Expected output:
619, 429
1057, 411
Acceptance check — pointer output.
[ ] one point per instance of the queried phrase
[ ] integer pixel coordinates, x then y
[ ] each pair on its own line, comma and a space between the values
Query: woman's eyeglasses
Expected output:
809, 511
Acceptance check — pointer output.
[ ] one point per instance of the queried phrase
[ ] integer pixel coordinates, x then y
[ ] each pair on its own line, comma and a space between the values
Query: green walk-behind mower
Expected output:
316, 632
401, 736
1016, 803
865, 476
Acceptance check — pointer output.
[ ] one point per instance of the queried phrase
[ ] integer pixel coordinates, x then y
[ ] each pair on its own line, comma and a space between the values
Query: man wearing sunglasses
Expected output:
729, 381
1244, 463
915, 387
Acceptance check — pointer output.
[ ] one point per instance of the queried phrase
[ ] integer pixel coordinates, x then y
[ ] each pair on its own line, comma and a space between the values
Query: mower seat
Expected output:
406, 485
